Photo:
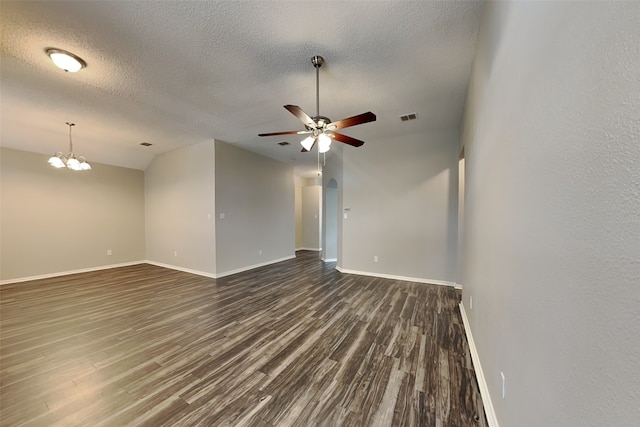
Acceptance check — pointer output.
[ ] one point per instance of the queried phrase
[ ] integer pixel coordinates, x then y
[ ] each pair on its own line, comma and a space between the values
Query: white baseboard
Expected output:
66, 273
159, 264
251, 267
309, 249
218, 275
178, 268
482, 382
329, 259
394, 277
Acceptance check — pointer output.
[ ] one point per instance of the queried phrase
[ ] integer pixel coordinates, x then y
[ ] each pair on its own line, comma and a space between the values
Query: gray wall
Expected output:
311, 220
461, 193
256, 196
402, 196
179, 198
57, 220
298, 184
552, 225
308, 213
330, 218
332, 170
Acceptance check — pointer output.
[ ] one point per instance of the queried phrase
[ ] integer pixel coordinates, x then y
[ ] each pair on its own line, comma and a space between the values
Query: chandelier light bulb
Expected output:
73, 163
56, 161
85, 166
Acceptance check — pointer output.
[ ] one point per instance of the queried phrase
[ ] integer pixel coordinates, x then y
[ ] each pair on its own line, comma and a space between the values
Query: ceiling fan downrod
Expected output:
317, 62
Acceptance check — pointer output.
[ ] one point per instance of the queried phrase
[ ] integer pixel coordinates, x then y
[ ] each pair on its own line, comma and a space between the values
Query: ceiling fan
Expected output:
320, 128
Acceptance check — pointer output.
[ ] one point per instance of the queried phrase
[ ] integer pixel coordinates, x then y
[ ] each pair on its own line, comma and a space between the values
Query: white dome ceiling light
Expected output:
66, 61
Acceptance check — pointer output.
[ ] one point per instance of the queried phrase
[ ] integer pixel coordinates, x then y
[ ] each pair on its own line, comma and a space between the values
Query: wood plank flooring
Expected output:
292, 344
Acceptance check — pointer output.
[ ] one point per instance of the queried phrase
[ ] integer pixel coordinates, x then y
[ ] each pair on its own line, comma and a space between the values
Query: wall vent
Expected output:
146, 144
411, 116
283, 143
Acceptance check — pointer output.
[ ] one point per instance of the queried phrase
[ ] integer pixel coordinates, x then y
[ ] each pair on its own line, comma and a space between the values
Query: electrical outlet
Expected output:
470, 302
504, 385
375, 258
109, 252
260, 252
175, 253
208, 216
222, 216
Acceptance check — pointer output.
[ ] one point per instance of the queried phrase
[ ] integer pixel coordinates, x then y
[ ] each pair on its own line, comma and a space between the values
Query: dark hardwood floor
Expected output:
292, 344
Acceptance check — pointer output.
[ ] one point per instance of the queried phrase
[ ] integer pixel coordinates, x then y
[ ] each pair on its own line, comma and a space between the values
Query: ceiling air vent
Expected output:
283, 143
146, 144
411, 116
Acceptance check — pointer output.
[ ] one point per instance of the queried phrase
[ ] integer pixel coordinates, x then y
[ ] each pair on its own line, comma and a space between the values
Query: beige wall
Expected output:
57, 220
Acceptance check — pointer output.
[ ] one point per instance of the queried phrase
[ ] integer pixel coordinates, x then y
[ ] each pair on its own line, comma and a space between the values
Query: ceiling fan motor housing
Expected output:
320, 121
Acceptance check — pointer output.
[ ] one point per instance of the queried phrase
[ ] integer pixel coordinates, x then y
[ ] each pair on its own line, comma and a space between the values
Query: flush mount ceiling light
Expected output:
71, 161
66, 60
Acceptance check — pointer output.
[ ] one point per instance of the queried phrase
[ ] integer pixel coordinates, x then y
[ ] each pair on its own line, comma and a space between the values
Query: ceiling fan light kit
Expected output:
70, 160
324, 143
321, 128
308, 142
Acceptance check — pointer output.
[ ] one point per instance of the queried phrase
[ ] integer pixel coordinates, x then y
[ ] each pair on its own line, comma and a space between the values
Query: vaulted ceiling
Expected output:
175, 73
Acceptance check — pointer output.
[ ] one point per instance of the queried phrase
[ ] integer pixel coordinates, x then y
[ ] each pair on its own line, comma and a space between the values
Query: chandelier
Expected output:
70, 160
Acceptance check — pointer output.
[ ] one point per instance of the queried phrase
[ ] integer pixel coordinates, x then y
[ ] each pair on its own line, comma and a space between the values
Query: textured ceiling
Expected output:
184, 72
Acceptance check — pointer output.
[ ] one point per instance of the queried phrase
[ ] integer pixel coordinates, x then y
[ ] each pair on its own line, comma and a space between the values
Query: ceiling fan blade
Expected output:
289, 132
344, 138
304, 117
352, 121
